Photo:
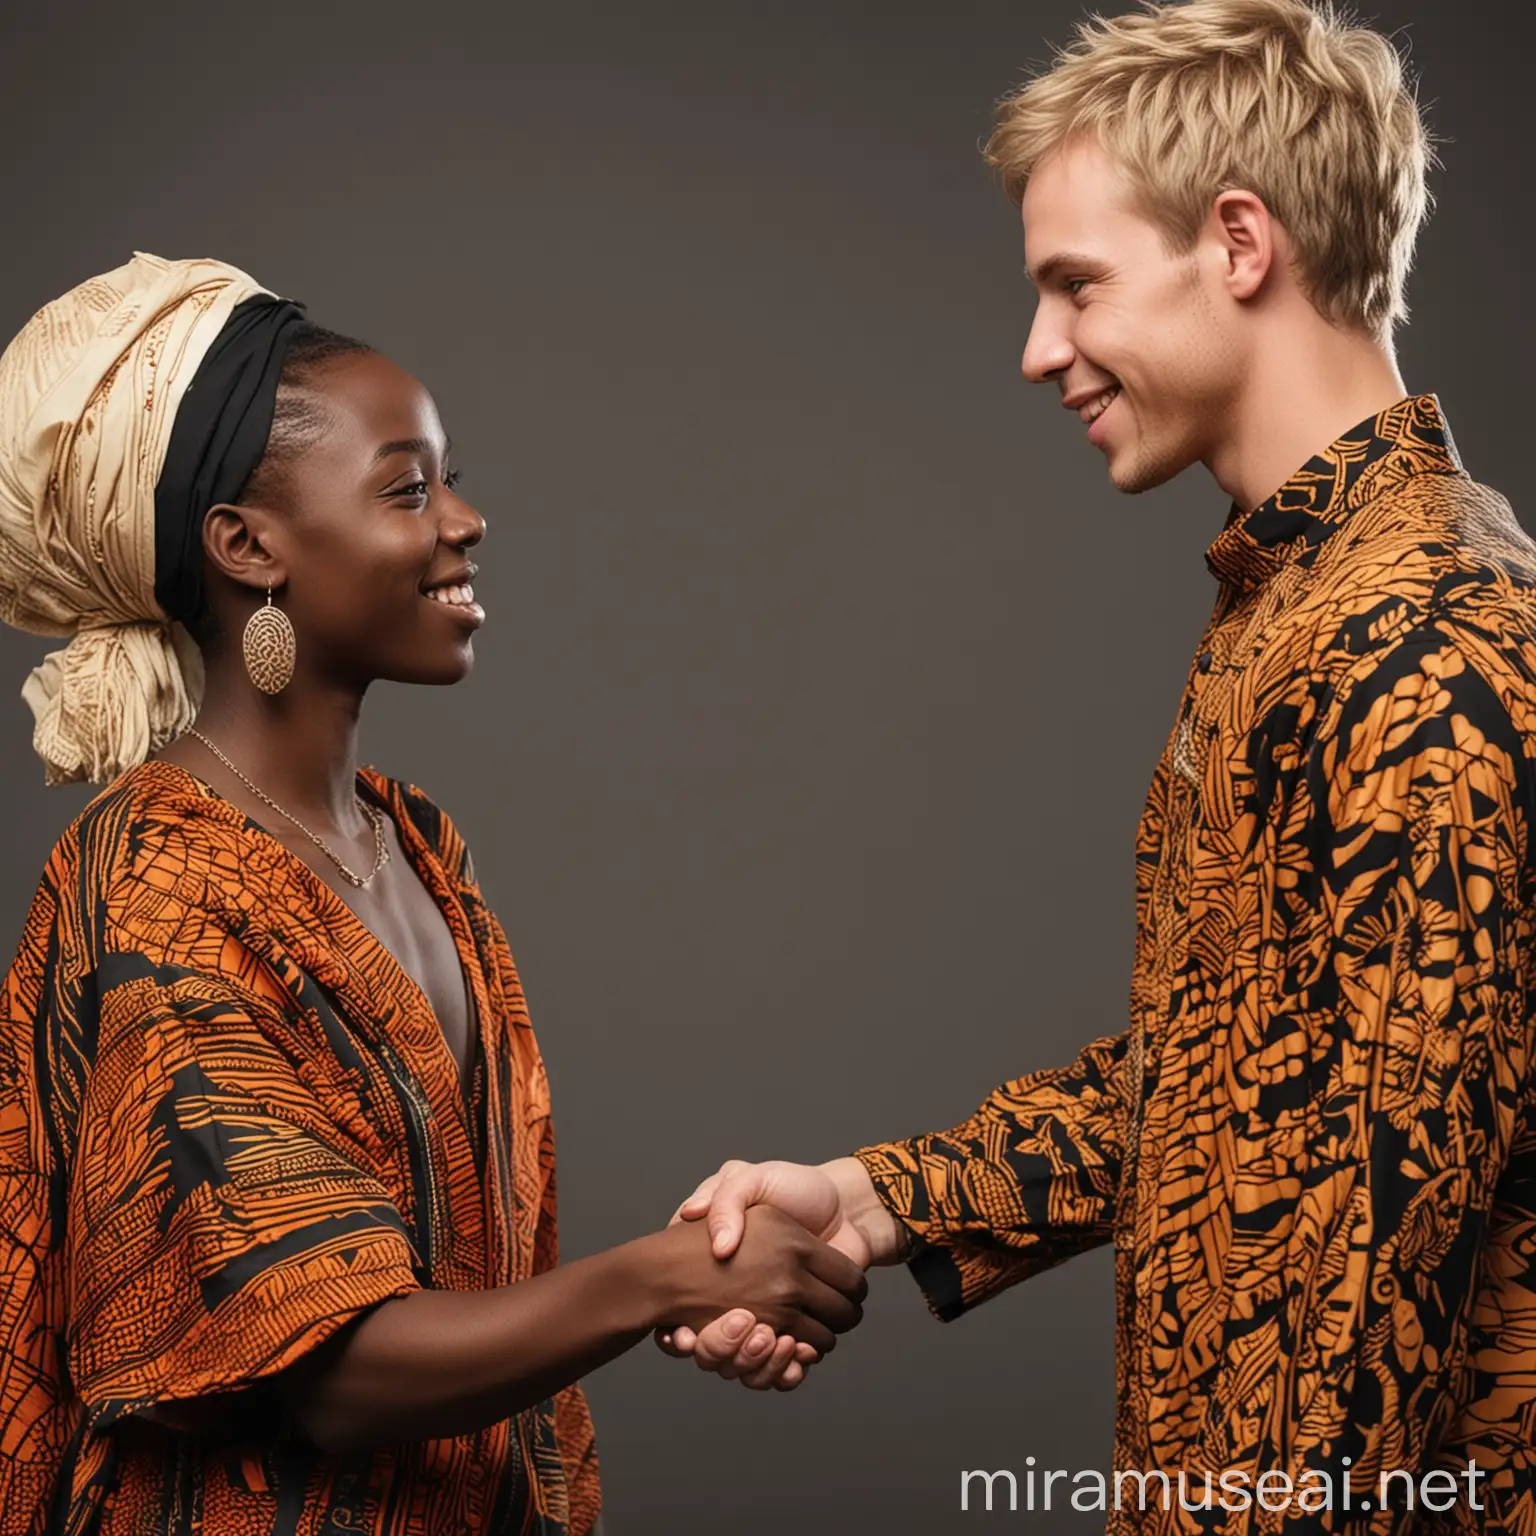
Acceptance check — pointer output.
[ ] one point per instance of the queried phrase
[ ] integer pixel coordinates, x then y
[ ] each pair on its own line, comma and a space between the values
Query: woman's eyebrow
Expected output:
421, 445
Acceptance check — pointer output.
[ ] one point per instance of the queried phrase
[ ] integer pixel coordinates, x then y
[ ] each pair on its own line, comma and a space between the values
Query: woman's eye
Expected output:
452, 478
416, 489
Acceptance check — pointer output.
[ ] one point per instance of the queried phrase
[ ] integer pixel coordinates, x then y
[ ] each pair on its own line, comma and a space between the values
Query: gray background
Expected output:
824, 671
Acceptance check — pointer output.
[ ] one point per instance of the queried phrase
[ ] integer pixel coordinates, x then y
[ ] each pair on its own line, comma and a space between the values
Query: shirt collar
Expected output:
1409, 438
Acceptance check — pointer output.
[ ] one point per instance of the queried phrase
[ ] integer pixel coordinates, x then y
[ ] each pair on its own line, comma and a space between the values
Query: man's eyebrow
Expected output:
1053, 264
419, 445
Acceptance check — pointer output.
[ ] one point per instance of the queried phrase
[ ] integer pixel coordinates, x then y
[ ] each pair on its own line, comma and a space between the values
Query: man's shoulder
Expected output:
1432, 581
1433, 525
1438, 553
1433, 605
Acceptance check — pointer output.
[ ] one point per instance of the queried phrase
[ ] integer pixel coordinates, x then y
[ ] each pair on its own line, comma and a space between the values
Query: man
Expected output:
1314, 1148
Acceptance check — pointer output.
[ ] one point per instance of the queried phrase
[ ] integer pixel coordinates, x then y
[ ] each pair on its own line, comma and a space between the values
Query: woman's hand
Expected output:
778, 1272
835, 1201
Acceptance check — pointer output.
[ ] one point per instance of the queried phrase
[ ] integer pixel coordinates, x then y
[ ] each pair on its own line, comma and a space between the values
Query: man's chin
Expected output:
1134, 473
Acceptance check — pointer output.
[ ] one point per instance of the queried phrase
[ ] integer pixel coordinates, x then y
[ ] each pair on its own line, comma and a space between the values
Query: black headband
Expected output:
217, 440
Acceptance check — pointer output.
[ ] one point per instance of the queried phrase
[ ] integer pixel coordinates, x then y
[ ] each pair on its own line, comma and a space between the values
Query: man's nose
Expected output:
1047, 352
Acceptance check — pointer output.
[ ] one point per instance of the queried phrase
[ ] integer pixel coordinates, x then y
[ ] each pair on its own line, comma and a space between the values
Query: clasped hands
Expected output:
836, 1204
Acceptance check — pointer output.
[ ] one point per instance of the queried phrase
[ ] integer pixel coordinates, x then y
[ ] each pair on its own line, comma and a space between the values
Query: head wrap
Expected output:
221, 432
96, 409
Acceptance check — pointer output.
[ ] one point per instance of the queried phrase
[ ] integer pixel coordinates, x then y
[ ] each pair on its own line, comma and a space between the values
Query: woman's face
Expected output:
373, 543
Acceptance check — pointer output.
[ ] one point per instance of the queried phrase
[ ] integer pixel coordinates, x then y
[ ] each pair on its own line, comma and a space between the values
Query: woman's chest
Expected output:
406, 920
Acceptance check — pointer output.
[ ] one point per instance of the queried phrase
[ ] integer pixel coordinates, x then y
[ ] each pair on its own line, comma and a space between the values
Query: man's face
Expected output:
1122, 321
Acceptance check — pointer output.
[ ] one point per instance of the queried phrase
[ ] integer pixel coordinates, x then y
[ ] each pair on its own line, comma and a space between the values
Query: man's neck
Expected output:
1310, 384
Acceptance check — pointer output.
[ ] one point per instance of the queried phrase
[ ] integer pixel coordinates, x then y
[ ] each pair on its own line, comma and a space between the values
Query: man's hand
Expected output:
836, 1202
811, 1195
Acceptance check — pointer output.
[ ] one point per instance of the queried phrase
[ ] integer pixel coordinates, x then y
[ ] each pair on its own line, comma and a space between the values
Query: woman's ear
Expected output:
239, 543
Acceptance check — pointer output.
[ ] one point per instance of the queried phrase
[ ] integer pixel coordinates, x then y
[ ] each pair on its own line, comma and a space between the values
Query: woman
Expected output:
275, 1152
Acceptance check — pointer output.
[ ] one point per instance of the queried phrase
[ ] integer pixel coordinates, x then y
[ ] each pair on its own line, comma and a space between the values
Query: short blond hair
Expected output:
1293, 102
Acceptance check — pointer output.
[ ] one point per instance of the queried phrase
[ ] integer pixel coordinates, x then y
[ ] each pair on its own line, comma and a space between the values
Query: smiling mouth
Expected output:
1091, 412
461, 596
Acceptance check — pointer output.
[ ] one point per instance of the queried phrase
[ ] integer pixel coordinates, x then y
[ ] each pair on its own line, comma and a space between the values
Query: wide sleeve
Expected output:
1030, 1179
1413, 952
575, 1442
221, 1218
574, 1434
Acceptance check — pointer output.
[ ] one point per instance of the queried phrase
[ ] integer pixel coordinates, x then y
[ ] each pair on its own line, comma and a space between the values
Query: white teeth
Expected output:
1096, 408
461, 596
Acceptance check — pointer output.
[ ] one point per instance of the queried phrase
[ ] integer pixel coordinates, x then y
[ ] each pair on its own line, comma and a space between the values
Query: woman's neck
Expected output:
299, 747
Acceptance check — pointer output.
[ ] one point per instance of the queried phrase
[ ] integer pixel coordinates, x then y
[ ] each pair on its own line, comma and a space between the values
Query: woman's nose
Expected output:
462, 526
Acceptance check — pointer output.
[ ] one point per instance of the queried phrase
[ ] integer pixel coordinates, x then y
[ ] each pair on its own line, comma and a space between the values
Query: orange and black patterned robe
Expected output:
1315, 1146
229, 1123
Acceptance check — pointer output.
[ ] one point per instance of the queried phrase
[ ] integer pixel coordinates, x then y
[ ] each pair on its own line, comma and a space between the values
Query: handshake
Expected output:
788, 1246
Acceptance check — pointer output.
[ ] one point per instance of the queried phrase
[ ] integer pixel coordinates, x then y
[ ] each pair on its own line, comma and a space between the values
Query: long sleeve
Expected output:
1028, 1180
1413, 948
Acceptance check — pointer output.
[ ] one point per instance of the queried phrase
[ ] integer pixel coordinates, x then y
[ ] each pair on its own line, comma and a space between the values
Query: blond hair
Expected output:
1289, 101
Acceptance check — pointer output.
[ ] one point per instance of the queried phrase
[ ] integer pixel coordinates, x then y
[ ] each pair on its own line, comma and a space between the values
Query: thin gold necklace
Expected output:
374, 815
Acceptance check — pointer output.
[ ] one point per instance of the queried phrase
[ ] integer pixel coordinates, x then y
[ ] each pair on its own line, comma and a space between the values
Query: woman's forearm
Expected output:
440, 1363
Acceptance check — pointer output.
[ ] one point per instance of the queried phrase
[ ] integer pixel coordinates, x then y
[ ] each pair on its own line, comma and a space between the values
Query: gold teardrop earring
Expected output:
270, 647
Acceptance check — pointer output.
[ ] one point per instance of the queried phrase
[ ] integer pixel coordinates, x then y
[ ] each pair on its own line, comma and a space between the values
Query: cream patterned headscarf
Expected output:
88, 394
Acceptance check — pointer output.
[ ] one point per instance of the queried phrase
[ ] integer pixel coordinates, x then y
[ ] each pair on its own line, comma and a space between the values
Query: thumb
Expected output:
698, 1202
728, 1211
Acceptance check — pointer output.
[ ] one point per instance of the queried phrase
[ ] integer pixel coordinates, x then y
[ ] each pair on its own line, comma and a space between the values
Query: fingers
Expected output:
780, 1356
810, 1330
794, 1374
724, 1197
738, 1348
828, 1306
716, 1346
759, 1360
677, 1342
754, 1351
839, 1271
698, 1202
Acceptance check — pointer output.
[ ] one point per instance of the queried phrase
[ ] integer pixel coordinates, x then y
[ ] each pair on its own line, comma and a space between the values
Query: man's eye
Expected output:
1075, 285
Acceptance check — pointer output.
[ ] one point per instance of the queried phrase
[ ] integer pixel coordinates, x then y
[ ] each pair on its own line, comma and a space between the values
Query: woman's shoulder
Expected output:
143, 850
154, 813
152, 794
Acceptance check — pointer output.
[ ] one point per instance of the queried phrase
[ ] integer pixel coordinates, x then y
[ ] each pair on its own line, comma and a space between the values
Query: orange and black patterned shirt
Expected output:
1315, 1146
229, 1124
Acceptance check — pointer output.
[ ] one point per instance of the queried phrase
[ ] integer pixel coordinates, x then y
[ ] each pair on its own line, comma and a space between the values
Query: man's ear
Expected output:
1248, 237
238, 542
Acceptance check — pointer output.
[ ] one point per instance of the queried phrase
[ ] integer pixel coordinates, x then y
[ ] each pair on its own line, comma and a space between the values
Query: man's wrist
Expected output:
889, 1239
